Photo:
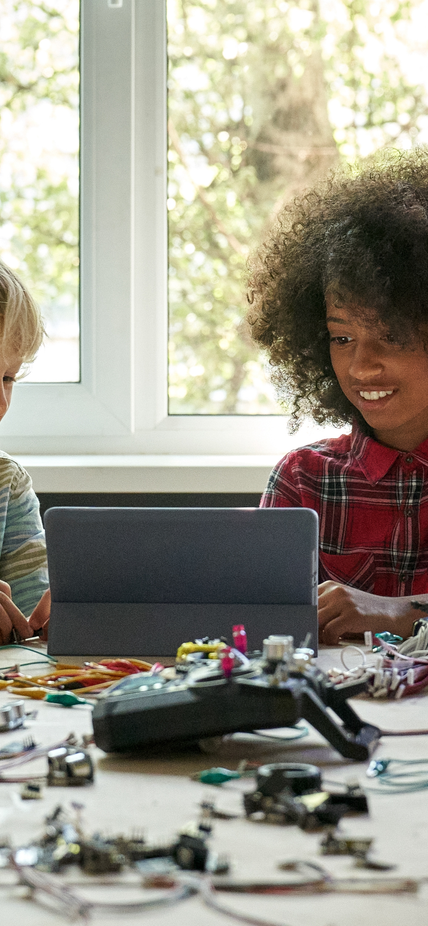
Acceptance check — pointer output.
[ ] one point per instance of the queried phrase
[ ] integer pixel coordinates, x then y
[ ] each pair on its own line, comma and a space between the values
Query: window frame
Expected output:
120, 405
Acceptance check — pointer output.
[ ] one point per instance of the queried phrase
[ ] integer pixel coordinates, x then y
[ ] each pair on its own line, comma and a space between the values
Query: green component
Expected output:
377, 767
217, 776
66, 698
387, 638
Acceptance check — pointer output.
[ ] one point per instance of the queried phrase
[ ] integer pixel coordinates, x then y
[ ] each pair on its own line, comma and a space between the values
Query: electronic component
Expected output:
63, 844
292, 793
69, 765
12, 715
31, 791
100, 857
211, 812
400, 667
334, 845
17, 748
274, 690
239, 638
296, 778
399, 776
359, 848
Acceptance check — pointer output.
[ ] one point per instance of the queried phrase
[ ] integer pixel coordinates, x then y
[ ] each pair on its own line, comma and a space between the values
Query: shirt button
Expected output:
409, 512
403, 576
409, 459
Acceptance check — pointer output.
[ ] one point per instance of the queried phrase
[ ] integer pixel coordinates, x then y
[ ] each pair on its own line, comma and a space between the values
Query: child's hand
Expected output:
39, 619
11, 618
346, 611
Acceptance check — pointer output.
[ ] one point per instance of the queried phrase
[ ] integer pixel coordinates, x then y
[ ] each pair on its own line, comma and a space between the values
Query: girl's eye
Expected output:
340, 340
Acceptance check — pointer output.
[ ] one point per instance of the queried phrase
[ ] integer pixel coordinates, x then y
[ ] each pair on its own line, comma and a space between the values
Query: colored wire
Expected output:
404, 732
412, 777
10, 668
208, 894
80, 908
322, 882
30, 649
27, 756
399, 670
91, 678
182, 884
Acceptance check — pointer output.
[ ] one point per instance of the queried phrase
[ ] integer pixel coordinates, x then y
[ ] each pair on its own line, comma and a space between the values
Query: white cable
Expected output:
359, 650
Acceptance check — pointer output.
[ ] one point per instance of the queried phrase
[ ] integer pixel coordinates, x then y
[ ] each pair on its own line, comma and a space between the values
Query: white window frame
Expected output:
120, 405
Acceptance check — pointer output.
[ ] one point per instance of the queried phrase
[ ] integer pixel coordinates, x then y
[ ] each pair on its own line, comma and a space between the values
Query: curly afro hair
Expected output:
361, 234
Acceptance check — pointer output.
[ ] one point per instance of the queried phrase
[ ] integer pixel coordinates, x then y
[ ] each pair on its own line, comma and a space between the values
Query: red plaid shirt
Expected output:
372, 504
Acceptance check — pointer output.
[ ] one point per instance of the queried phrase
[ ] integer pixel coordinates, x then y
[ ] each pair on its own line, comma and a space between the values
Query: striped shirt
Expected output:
22, 541
372, 503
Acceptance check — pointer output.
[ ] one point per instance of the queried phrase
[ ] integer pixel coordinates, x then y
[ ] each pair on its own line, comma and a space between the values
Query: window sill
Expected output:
148, 473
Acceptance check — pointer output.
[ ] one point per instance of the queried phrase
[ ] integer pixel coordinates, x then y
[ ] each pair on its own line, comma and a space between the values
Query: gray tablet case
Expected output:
141, 581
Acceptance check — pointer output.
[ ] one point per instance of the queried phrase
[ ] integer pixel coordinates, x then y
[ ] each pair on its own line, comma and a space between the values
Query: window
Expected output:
265, 97
374, 96
39, 169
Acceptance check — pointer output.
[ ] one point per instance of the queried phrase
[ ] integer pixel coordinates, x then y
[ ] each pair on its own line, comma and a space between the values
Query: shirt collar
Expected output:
375, 459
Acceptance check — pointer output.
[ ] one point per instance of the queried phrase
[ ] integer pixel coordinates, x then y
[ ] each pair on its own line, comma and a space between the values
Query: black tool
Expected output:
147, 710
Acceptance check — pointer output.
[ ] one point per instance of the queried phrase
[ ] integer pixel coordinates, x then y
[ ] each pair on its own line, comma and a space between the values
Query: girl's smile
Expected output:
386, 381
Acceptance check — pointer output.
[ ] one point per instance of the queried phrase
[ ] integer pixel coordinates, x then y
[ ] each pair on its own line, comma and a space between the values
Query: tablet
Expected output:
141, 581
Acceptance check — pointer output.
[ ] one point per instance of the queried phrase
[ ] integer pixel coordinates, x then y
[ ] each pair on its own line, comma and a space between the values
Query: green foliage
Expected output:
264, 97
39, 99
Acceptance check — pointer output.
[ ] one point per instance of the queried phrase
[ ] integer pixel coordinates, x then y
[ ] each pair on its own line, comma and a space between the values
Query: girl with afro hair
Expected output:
338, 297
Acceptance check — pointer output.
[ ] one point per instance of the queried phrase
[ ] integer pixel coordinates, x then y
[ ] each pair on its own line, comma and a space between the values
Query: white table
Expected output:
155, 796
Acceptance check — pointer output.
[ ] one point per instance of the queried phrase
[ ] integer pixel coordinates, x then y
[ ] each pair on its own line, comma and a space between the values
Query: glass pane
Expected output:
263, 98
39, 169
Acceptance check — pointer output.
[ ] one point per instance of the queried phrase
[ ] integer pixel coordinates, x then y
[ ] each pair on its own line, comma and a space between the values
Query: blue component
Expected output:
377, 767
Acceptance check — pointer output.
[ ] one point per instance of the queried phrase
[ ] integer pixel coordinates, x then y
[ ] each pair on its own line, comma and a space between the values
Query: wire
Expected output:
21, 780
359, 650
81, 908
297, 734
30, 649
182, 884
28, 756
208, 894
36, 662
411, 775
404, 732
91, 678
399, 669
208, 891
